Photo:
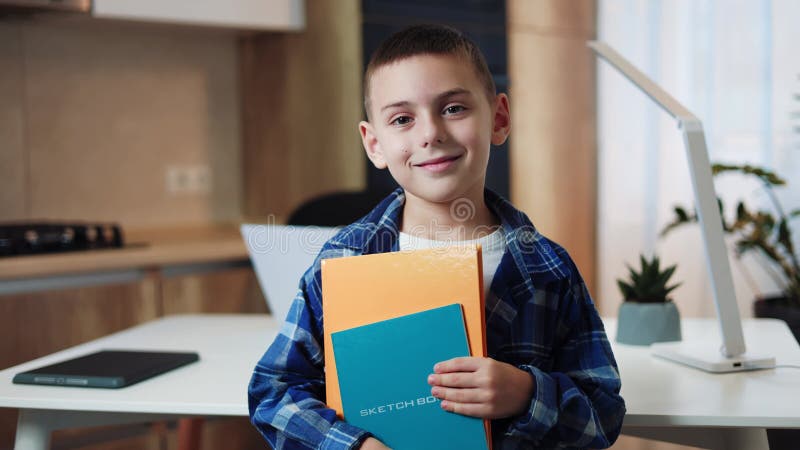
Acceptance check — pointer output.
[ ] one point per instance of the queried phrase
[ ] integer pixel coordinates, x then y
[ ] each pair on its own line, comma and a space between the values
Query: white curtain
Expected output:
736, 65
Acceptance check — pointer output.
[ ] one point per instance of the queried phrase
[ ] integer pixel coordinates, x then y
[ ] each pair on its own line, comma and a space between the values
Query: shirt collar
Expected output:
378, 232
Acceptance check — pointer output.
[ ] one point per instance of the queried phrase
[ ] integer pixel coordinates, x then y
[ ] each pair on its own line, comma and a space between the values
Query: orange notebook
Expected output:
360, 290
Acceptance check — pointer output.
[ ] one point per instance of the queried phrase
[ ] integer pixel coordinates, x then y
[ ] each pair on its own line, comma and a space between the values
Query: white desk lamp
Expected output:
731, 356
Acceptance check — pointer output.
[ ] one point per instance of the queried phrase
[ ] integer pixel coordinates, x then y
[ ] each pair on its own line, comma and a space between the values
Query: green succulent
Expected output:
649, 284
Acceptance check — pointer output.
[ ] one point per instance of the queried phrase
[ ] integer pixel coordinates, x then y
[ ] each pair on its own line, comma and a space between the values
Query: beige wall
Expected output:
92, 114
553, 151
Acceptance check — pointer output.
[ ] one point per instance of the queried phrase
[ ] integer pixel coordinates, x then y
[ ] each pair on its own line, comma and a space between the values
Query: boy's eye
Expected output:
454, 109
402, 120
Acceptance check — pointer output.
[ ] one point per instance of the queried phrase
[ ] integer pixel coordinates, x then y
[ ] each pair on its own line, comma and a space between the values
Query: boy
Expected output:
551, 379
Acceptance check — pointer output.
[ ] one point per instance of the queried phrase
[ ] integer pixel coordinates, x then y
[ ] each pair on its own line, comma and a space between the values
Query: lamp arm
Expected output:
710, 221
703, 184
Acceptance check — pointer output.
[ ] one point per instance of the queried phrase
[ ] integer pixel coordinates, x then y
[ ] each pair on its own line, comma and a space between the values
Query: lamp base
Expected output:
709, 358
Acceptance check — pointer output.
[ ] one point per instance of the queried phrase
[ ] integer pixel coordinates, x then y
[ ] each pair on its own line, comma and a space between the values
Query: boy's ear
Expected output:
501, 125
371, 145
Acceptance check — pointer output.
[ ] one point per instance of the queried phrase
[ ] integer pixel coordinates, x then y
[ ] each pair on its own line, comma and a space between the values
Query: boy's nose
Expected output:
433, 134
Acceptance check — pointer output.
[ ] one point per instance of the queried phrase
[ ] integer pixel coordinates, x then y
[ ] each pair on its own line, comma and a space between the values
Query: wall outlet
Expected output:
200, 179
180, 180
177, 180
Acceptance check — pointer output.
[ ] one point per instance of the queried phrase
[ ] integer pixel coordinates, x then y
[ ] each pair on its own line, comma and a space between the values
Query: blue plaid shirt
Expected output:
539, 317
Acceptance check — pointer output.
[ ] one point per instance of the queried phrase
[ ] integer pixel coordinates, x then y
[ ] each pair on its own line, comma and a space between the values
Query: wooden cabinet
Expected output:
35, 324
240, 14
301, 104
38, 323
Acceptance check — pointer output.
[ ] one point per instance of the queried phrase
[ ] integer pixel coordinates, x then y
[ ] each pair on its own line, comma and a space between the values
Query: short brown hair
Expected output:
428, 39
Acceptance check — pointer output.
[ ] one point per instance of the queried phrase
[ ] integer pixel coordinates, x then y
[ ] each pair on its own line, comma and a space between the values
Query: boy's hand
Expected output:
481, 387
373, 444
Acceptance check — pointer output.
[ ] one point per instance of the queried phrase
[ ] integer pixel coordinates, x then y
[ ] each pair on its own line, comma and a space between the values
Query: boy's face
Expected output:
432, 126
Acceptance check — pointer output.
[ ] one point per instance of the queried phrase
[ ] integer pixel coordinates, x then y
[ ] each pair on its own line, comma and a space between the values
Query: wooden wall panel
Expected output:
229, 291
301, 106
574, 18
13, 160
553, 149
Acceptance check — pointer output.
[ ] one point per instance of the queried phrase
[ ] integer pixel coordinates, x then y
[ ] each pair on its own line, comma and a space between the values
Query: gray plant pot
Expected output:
645, 323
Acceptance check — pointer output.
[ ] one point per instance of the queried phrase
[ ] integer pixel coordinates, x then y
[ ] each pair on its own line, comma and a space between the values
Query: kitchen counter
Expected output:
145, 249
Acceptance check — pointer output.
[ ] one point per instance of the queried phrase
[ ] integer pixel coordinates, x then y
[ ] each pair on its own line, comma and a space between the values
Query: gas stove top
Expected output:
53, 237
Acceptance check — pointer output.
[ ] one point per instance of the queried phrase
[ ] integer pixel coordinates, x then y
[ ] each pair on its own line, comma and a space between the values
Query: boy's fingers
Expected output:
455, 380
466, 409
462, 364
462, 395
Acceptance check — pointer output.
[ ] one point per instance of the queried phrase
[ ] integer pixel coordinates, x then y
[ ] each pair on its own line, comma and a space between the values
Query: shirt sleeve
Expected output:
287, 390
577, 403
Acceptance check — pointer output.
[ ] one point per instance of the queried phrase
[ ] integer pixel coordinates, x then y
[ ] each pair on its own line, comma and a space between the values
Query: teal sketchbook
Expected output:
383, 372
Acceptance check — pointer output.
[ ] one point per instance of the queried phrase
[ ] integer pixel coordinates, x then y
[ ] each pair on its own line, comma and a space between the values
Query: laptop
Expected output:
280, 255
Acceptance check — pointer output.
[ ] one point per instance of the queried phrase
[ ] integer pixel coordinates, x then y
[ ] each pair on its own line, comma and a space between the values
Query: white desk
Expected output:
670, 402
216, 385
665, 401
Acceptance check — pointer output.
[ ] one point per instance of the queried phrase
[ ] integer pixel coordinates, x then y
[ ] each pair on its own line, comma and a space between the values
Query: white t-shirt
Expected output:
492, 248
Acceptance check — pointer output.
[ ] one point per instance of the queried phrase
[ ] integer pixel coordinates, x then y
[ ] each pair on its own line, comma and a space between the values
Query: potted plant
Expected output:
647, 314
767, 233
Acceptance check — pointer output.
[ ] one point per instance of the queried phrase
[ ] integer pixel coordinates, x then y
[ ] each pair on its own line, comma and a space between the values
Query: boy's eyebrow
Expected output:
445, 94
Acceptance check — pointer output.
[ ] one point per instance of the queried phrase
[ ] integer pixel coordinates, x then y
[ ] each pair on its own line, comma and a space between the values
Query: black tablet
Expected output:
107, 369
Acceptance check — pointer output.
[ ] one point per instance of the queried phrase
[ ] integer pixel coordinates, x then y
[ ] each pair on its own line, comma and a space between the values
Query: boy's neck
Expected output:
462, 219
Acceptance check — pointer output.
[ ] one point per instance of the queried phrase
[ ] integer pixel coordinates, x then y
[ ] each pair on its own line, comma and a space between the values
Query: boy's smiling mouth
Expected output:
438, 164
